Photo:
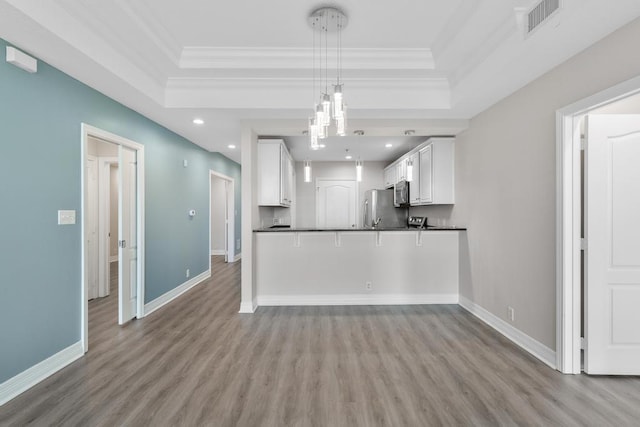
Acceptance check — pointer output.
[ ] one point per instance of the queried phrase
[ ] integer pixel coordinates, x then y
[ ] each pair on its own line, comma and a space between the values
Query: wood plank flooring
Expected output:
198, 362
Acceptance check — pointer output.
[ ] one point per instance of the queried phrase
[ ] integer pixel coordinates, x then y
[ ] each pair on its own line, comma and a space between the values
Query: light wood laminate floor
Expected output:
198, 362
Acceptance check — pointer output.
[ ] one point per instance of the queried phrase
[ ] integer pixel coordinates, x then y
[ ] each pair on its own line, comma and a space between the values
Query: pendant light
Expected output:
359, 170
329, 109
409, 170
307, 171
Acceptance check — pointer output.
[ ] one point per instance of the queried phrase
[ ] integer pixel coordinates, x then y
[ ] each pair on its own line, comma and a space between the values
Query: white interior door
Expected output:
127, 231
336, 203
612, 231
91, 233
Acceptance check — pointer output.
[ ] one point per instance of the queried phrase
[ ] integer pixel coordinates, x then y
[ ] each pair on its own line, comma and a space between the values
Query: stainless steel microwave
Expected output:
401, 196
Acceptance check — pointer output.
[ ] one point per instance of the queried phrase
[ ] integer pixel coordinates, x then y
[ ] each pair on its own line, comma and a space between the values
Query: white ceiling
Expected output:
423, 65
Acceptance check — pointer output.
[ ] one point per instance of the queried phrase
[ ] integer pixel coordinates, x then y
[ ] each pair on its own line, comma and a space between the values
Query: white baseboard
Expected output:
536, 348
247, 307
236, 258
32, 376
152, 306
113, 258
218, 252
358, 299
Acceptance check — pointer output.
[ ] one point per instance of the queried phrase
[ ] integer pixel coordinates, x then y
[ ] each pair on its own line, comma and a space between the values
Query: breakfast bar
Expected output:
357, 266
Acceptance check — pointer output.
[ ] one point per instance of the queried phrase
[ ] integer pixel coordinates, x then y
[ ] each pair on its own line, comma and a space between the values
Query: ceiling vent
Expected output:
540, 13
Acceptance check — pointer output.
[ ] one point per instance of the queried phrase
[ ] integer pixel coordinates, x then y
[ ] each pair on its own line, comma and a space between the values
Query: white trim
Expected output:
385, 299
218, 252
174, 293
532, 346
236, 258
39, 372
247, 307
568, 221
87, 131
113, 258
231, 210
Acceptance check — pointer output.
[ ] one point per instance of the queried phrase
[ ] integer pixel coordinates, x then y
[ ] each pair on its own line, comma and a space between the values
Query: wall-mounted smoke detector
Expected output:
539, 14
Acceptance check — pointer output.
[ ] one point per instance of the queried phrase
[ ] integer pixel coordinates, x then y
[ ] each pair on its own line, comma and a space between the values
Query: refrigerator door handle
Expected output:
364, 213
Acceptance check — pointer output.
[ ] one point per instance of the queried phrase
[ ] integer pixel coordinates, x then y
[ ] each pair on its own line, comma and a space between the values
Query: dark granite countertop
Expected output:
280, 229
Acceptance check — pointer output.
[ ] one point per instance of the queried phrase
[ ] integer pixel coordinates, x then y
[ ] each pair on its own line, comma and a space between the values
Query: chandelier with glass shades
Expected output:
329, 111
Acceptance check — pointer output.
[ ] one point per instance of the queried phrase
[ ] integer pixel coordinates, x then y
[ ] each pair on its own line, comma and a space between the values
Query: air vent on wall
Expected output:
540, 13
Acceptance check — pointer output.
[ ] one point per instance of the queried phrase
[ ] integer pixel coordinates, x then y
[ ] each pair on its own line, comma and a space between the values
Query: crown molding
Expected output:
278, 93
302, 58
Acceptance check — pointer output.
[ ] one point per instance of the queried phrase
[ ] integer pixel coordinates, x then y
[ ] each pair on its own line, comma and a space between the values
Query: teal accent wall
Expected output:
40, 173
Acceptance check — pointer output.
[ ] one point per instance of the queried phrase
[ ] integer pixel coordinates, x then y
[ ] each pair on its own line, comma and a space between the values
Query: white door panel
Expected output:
92, 227
336, 204
127, 232
612, 230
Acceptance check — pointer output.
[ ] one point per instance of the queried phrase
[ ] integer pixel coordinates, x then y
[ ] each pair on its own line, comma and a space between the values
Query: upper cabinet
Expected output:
390, 177
430, 170
275, 174
413, 176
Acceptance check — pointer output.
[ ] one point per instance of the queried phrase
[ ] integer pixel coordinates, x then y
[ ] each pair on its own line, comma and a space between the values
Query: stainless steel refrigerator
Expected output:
378, 210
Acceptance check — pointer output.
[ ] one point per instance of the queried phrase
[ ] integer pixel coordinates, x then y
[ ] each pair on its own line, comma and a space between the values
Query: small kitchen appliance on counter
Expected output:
417, 222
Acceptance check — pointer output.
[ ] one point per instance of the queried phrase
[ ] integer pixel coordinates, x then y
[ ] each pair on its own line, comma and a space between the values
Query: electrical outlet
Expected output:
368, 286
511, 313
188, 272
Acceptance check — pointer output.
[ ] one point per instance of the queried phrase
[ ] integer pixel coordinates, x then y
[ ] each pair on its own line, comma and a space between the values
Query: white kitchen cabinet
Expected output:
437, 172
275, 174
401, 170
390, 177
413, 176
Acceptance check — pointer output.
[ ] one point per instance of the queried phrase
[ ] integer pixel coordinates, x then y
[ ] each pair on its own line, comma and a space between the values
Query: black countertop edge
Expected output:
333, 230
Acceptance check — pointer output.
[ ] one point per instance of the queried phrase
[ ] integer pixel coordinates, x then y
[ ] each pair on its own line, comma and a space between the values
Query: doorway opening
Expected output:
221, 216
571, 264
109, 161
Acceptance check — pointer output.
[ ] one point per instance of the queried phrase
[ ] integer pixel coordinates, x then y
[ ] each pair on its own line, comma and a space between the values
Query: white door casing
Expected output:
229, 231
127, 232
612, 232
336, 203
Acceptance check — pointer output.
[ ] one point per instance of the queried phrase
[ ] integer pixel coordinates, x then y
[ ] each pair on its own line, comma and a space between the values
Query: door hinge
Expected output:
122, 244
583, 244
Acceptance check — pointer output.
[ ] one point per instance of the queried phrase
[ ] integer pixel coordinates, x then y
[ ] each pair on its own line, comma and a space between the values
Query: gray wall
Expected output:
506, 185
40, 263
372, 177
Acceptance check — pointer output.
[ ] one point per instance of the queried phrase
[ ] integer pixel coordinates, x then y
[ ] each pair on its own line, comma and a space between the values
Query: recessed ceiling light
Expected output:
388, 145
323, 146
409, 132
348, 157
198, 121
231, 146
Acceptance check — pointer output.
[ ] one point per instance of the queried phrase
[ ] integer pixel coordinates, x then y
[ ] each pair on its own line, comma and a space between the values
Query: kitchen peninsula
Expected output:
357, 266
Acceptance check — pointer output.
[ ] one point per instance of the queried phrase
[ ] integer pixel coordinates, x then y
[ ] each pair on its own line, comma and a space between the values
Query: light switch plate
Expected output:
66, 217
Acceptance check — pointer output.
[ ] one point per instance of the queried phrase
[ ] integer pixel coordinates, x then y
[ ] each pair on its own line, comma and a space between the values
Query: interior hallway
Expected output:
198, 362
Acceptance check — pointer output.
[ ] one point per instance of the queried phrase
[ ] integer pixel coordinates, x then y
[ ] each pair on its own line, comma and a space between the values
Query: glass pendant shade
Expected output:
322, 130
307, 171
409, 170
313, 134
326, 109
337, 102
359, 171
